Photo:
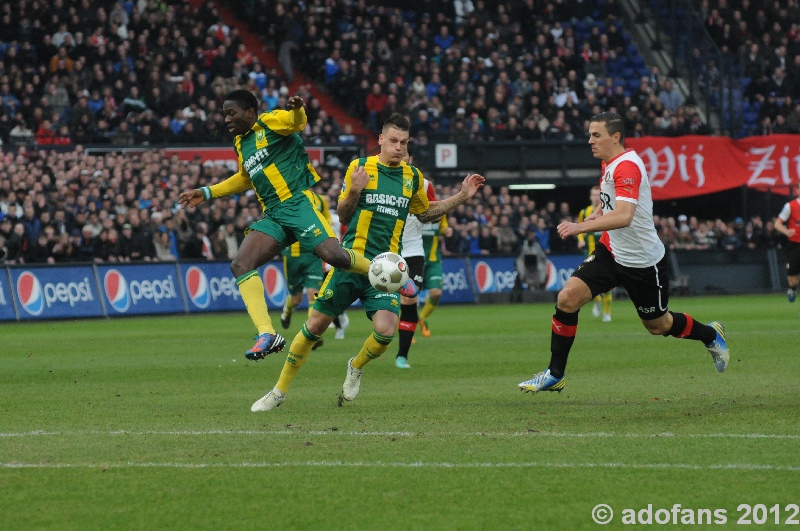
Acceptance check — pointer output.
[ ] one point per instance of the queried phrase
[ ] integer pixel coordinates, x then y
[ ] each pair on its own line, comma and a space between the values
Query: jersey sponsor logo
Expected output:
608, 177
387, 199
605, 201
33, 296
29, 293
275, 285
116, 288
256, 158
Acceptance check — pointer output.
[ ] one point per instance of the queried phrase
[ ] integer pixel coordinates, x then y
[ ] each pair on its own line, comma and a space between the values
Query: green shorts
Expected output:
304, 271
432, 277
295, 220
341, 289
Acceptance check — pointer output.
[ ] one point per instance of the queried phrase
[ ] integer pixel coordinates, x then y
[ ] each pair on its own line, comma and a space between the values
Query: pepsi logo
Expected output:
484, 277
552, 277
30, 293
116, 288
275, 285
197, 287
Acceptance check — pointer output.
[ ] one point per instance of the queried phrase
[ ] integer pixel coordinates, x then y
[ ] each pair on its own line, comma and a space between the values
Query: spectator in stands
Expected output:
670, 96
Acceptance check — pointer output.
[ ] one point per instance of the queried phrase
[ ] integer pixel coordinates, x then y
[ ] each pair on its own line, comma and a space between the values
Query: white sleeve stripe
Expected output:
628, 199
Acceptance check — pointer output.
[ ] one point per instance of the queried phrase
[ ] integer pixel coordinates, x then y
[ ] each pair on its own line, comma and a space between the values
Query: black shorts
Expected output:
792, 259
416, 269
648, 287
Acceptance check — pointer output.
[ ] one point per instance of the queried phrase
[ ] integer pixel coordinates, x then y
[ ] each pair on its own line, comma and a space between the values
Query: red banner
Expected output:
695, 165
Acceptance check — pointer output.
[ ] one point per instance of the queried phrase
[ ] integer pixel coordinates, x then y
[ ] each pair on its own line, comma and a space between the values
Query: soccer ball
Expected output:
388, 272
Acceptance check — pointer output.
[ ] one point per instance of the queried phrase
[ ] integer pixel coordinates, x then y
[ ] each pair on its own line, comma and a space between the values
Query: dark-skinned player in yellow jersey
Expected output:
274, 163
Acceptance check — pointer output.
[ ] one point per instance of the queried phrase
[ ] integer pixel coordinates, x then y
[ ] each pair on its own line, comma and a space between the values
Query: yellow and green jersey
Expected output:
430, 239
321, 204
390, 195
272, 160
591, 238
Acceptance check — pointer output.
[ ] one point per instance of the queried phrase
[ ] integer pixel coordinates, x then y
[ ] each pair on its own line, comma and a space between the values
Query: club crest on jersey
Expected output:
261, 138
408, 185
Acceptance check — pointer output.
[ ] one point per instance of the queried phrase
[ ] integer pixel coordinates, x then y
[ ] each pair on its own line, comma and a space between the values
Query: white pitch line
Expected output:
418, 464
343, 433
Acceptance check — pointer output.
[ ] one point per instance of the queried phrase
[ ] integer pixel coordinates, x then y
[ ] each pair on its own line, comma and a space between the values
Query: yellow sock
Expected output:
299, 351
373, 348
288, 306
427, 309
606, 303
358, 263
252, 290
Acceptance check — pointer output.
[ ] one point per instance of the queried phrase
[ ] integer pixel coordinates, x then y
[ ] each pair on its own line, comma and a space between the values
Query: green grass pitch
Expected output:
145, 423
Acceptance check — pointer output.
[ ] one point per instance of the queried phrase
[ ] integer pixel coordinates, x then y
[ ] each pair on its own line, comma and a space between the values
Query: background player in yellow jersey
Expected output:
434, 272
273, 162
377, 195
587, 241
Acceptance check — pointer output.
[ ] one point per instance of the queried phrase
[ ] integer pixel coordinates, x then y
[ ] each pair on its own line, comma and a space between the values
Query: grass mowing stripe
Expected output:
408, 434
378, 464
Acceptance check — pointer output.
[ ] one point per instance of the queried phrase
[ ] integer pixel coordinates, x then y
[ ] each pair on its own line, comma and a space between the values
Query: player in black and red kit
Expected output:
788, 224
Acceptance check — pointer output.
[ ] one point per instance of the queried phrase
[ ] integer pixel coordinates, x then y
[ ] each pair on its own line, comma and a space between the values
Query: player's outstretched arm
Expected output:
236, 183
437, 209
191, 198
617, 219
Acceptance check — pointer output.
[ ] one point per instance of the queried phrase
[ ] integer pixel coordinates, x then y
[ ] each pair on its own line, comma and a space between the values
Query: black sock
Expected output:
336, 322
408, 325
685, 327
565, 325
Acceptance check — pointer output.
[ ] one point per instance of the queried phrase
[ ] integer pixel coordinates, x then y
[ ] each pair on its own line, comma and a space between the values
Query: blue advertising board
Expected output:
456, 286
56, 292
7, 312
210, 287
133, 290
494, 275
560, 268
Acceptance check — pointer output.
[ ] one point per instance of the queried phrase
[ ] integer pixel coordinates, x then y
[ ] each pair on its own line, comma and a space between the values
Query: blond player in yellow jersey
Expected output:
587, 241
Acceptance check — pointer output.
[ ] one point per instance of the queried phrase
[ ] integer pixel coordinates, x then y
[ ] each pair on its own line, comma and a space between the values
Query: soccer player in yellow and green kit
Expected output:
587, 242
274, 163
377, 195
433, 275
303, 269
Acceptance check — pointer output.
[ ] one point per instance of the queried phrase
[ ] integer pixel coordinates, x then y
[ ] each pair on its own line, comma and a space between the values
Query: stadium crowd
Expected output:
66, 206
155, 72
477, 70
152, 72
